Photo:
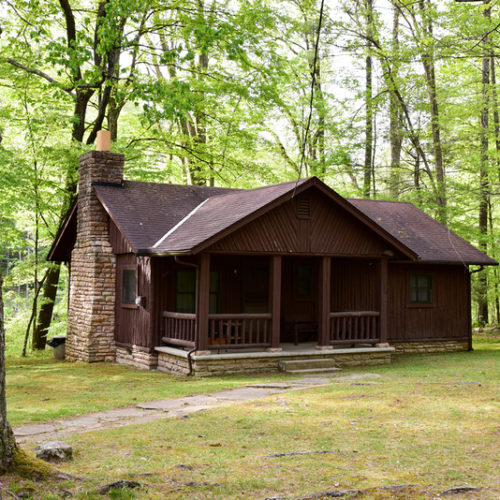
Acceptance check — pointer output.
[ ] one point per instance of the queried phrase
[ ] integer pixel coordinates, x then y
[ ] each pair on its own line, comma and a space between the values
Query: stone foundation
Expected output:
137, 358
172, 360
429, 347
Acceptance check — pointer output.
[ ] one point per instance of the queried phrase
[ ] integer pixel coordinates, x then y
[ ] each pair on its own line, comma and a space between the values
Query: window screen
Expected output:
186, 286
420, 289
128, 286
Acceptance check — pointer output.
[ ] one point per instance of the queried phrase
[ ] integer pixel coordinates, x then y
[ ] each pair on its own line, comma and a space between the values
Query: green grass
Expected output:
432, 420
41, 388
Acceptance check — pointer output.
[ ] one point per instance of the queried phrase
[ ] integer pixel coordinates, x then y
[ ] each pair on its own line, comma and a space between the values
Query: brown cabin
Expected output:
217, 280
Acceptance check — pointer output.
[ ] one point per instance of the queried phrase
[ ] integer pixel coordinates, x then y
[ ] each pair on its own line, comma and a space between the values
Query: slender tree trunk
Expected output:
496, 118
395, 122
47, 307
495, 271
8, 444
368, 101
430, 78
484, 184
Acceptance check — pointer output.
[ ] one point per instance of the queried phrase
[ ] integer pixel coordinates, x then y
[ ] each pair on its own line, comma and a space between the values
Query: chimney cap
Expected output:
103, 140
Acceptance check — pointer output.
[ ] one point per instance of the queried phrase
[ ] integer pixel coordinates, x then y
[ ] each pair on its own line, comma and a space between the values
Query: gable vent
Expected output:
303, 208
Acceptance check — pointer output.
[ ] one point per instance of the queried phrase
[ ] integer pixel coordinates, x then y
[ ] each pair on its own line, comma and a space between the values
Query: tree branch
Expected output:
34, 71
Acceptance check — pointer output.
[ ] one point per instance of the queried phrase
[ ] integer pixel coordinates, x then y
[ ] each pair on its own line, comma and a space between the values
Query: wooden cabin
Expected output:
217, 280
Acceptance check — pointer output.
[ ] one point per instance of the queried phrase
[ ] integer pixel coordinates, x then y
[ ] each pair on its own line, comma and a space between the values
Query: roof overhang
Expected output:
64, 241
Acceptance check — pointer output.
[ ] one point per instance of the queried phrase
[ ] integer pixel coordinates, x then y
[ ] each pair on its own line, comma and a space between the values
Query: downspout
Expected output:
481, 267
195, 348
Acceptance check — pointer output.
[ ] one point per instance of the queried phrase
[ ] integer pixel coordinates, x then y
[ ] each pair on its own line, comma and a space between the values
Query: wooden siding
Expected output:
354, 285
119, 244
330, 230
447, 318
133, 324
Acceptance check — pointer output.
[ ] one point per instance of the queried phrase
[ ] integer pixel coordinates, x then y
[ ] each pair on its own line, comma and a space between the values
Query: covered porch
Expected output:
256, 304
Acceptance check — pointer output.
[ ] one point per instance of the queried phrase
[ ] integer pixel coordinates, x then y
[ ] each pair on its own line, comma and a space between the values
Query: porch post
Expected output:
203, 301
325, 274
382, 302
275, 302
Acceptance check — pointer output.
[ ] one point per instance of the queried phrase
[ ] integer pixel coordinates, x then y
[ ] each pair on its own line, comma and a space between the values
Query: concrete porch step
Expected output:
314, 370
310, 365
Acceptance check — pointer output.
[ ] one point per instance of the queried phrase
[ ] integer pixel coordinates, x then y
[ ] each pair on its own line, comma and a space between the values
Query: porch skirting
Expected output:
136, 357
422, 346
172, 360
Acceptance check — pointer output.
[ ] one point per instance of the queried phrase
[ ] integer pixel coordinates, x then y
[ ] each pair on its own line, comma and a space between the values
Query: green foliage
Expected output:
219, 92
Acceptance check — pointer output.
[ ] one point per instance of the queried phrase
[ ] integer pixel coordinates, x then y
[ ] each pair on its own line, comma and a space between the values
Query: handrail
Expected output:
353, 314
241, 316
176, 315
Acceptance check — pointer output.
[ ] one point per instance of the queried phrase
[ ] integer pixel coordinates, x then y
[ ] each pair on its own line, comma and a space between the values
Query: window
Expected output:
304, 280
214, 306
186, 291
421, 289
129, 287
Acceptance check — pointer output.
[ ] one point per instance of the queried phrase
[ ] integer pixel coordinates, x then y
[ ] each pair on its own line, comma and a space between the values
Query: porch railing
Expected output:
354, 327
239, 331
179, 329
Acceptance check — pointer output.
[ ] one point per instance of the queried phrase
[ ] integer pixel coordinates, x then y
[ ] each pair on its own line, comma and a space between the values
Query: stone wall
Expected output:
220, 364
429, 347
138, 358
91, 311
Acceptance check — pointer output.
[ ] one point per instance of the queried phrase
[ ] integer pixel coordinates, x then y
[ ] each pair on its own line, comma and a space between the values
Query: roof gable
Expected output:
321, 228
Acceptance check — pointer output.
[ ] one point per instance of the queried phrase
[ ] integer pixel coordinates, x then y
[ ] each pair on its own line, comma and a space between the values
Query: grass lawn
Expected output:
430, 420
41, 388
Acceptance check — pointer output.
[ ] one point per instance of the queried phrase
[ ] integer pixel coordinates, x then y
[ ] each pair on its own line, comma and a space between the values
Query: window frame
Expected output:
129, 305
185, 293
420, 304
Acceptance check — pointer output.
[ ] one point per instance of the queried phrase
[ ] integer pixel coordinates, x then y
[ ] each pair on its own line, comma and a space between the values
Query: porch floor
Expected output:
225, 361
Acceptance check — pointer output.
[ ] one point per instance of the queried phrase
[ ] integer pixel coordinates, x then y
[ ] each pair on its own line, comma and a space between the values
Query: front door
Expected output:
299, 300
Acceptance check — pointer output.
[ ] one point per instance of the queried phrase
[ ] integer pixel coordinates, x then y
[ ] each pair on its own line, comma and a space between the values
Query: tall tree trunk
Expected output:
484, 184
47, 307
430, 78
496, 118
368, 101
395, 122
7, 442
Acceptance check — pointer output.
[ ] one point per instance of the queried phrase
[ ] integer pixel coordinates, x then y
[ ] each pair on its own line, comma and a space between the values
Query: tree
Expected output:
8, 444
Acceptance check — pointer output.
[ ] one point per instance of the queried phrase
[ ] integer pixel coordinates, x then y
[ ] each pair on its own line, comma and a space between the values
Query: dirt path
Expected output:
165, 408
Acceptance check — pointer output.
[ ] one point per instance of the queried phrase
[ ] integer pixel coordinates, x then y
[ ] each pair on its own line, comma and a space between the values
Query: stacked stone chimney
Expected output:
91, 314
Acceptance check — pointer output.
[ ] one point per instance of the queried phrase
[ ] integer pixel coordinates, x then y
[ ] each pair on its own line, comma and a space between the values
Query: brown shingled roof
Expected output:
219, 213
145, 211
432, 241
167, 218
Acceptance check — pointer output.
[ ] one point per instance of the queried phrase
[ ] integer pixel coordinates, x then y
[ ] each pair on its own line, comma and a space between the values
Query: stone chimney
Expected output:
91, 314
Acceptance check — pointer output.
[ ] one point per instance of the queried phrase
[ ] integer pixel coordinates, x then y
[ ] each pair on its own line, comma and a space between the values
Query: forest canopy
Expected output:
383, 99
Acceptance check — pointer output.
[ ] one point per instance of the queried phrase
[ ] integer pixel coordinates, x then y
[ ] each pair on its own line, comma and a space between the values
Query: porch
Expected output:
224, 362
227, 304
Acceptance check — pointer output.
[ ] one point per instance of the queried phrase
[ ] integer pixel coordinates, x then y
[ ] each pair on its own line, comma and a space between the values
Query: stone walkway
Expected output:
175, 407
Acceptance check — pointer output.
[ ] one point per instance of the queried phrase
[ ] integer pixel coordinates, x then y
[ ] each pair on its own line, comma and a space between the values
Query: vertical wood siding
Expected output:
354, 285
446, 318
329, 230
133, 324
117, 241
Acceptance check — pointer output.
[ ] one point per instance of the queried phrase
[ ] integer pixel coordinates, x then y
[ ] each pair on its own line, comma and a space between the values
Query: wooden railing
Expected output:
239, 331
354, 327
179, 329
